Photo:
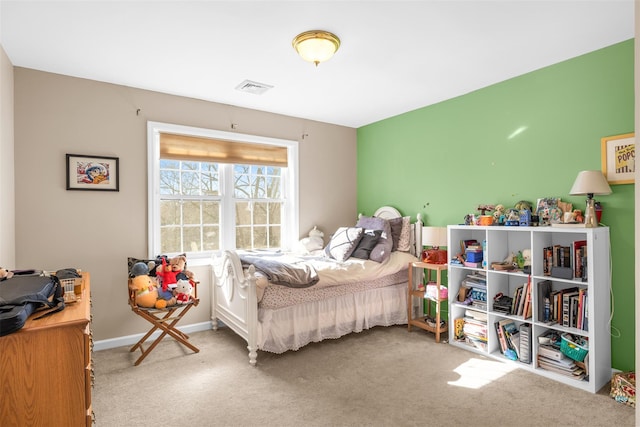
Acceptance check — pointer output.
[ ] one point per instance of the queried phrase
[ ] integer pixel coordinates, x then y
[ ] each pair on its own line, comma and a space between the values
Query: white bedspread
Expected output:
336, 278
334, 273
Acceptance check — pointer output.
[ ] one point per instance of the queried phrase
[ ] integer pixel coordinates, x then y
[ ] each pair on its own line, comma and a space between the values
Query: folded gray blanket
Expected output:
293, 275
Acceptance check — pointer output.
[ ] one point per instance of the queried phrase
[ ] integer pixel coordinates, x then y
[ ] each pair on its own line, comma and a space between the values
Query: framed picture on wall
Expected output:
92, 173
619, 158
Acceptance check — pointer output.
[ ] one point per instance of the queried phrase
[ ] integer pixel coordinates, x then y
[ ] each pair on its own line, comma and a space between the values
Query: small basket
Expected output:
573, 350
71, 287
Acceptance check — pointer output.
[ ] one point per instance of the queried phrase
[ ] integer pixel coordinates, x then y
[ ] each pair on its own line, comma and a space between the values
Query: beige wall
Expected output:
96, 231
7, 193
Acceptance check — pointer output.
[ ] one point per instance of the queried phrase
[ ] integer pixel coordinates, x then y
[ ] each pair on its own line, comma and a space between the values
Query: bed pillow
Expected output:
367, 243
396, 230
404, 242
343, 242
382, 251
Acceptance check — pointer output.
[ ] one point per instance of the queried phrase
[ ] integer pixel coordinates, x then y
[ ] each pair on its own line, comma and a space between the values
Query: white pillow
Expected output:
343, 242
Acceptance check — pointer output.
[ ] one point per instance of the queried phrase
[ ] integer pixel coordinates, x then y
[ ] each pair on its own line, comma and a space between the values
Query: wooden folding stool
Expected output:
164, 319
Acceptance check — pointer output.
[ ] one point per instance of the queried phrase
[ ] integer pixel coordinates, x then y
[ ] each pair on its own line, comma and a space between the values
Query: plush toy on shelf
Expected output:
183, 292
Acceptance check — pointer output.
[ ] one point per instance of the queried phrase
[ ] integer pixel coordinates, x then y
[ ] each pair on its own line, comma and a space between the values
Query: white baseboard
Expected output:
132, 339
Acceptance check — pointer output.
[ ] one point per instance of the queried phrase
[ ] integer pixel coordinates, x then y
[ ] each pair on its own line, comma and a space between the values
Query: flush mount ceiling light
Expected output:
316, 46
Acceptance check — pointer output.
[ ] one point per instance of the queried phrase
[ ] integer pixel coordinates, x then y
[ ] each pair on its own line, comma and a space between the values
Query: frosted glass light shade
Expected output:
316, 46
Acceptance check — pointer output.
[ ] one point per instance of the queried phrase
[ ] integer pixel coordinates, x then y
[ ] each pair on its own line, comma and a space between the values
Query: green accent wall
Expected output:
521, 139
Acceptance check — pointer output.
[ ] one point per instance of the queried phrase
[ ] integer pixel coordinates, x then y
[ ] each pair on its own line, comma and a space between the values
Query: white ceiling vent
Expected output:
253, 87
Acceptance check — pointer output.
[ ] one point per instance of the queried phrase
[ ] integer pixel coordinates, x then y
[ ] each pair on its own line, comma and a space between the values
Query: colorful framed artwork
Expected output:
92, 173
619, 158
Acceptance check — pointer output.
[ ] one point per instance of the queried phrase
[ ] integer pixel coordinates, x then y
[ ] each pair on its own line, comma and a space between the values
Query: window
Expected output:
211, 190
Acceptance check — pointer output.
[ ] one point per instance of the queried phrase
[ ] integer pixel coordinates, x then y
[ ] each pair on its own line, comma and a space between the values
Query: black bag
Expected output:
20, 296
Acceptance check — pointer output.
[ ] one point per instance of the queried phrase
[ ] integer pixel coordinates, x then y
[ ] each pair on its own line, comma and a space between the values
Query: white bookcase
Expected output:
501, 241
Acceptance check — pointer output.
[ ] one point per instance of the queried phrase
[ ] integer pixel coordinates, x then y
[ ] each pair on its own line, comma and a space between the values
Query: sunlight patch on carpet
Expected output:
476, 373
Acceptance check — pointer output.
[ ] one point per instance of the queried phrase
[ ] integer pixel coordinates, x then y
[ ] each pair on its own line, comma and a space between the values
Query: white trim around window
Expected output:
290, 222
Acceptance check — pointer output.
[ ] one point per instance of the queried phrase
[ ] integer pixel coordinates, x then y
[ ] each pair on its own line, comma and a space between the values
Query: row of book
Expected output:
521, 302
474, 290
568, 262
551, 358
472, 329
568, 307
515, 341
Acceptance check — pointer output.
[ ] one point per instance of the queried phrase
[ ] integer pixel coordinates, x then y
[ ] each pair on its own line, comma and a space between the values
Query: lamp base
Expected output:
590, 220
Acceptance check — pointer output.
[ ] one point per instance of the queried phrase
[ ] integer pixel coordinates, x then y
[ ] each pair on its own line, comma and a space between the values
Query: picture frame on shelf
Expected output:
618, 158
96, 173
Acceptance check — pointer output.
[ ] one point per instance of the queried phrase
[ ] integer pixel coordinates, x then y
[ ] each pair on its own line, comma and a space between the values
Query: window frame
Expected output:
290, 213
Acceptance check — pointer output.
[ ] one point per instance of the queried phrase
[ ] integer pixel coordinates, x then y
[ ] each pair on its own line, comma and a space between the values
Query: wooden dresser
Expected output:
45, 369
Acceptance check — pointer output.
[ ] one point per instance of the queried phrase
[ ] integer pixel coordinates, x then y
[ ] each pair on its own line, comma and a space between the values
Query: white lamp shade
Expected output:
434, 236
590, 182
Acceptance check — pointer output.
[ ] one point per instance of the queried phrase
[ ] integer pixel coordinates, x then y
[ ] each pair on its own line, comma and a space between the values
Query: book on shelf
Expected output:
473, 264
544, 292
523, 297
547, 261
464, 244
514, 340
550, 352
477, 343
582, 308
475, 280
516, 300
579, 249
477, 315
573, 310
565, 367
501, 338
566, 307
511, 334
458, 325
527, 308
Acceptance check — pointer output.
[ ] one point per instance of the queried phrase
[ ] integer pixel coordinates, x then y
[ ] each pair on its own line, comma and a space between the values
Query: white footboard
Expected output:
234, 299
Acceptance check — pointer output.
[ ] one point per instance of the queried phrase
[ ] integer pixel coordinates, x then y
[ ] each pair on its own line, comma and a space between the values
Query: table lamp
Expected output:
590, 183
434, 237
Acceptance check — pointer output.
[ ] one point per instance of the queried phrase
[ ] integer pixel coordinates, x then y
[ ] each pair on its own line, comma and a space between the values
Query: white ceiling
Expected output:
395, 56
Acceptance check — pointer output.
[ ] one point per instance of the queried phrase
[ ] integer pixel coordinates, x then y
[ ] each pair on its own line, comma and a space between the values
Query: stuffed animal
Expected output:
171, 271
499, 214
183, 291
314, 242
178, 266
140, 268
5, 274
146, 292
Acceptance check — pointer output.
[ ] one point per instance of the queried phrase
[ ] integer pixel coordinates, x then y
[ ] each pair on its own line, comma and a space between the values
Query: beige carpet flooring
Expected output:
380, 377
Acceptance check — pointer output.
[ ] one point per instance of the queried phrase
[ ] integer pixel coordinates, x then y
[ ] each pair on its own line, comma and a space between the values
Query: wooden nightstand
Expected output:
421, 321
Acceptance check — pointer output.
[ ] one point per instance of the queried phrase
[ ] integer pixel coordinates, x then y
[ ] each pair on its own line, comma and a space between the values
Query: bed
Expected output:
350, 295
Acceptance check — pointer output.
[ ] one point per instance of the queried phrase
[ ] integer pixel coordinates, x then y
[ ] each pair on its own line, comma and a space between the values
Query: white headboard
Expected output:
389, 212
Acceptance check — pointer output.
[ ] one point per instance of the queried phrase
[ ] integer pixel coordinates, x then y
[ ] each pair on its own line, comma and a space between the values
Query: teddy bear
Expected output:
499, 215
314, 242
183, 291
171, 271
146, 292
